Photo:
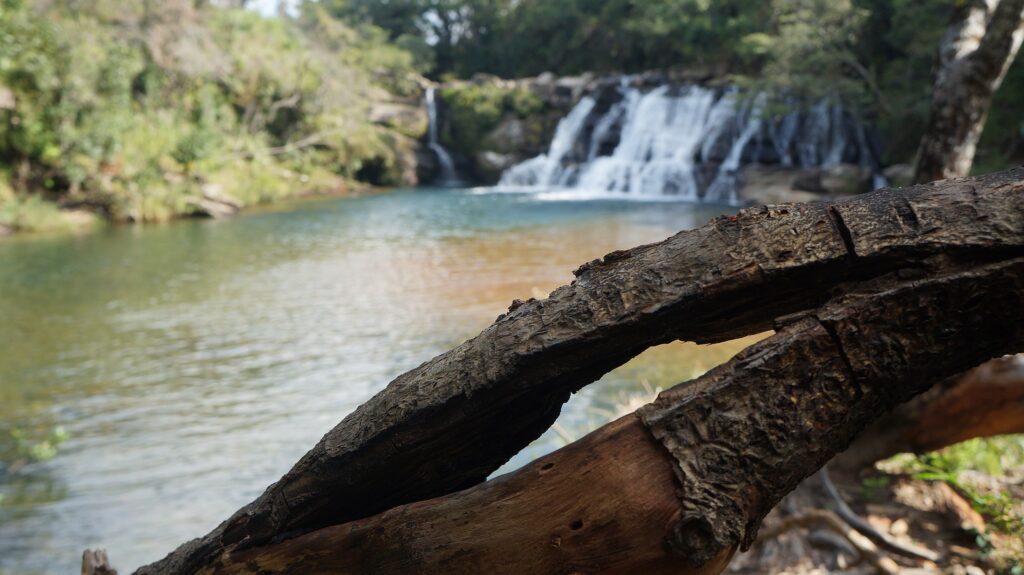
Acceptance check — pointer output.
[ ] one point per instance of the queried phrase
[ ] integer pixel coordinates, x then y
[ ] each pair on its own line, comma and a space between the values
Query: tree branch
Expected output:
452, 421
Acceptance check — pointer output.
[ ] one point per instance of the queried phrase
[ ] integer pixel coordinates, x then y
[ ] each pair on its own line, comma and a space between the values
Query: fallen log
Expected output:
679, 486
452, 421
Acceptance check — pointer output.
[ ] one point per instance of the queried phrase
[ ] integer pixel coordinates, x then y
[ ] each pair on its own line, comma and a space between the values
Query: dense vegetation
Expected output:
877, 53
138, 108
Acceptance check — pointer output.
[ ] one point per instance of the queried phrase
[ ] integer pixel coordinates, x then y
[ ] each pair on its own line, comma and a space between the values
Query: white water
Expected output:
444, 159
686, 143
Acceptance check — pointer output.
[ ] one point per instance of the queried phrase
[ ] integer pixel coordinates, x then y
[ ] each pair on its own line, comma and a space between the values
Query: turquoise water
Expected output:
192, 363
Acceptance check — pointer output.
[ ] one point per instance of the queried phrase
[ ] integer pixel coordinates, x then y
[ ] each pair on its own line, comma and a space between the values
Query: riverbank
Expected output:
35, 217
214, 110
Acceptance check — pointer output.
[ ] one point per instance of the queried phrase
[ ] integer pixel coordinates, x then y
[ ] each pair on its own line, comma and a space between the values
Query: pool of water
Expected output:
192, 363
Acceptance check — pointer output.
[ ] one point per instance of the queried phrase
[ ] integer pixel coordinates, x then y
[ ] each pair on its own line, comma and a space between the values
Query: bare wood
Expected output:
733, 443
95, 562
600, 505
447, 424
984, 402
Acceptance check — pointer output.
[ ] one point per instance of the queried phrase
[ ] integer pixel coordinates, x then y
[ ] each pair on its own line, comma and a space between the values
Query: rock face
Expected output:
761, 184
214, 203
513, 136
407, 118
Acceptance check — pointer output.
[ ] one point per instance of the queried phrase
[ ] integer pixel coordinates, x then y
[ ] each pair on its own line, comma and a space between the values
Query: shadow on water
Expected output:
193, 363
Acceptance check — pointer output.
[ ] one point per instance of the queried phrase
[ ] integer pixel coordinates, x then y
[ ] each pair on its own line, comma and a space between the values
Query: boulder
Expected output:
214, 203
768, 185
809, 180
899, 175
492, 164
846, 180
510, 135
7, 99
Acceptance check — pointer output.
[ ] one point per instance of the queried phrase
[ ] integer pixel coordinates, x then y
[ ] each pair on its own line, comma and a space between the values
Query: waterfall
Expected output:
690, 142
444, 160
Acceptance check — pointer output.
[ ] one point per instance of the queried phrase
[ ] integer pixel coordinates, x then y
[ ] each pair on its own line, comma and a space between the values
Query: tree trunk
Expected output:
449, 423
677, 487
984, 402
974, 55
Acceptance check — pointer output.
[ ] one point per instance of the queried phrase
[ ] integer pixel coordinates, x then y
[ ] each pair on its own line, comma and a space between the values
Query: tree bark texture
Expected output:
677, 487
984, 402
449, 423
974, 55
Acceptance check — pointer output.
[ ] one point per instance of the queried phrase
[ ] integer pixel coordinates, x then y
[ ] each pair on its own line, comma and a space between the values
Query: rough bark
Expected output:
449, 423
982, 40
732, 444
984, 402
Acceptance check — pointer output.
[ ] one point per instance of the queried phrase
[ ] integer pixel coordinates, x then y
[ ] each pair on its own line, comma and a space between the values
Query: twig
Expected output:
848, 515
867, 550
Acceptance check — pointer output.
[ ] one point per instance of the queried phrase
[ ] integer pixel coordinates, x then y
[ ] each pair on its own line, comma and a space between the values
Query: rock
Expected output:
809, 181
7, 100
492, 164
79, 219
899, 175
510, 135
899, 528
765, 185
846, 180
427, 168
408, 119
214, 203
5, 230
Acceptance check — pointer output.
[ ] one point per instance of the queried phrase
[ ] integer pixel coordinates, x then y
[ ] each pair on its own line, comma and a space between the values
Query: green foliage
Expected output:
31, 214
140, 126
992, 456
877, 54
476, 109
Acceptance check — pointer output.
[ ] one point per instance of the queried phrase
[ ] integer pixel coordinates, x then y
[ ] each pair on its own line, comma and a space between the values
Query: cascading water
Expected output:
689, 142
447, 166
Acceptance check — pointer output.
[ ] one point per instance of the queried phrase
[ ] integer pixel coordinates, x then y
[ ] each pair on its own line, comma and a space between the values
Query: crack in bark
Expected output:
748, 432
844, 232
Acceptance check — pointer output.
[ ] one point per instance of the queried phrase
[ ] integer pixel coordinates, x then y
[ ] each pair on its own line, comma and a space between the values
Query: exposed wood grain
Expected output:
600, 505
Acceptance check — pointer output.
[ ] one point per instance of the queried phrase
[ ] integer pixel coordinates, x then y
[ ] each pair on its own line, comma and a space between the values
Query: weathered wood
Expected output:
981, 42
733, 442
601, 504
95, 562
447, 424
748, 432
986, 401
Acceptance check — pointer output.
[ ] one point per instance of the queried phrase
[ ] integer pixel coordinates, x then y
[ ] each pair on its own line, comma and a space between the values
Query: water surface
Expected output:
193, 363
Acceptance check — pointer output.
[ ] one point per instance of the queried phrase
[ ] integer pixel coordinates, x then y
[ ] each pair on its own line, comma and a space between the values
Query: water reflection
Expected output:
193, 363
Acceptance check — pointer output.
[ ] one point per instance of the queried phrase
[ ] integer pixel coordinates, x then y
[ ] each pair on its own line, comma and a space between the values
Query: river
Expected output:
192, 363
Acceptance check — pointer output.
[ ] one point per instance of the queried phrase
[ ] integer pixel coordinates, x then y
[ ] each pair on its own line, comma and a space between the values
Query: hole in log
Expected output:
547, 466
576, 525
